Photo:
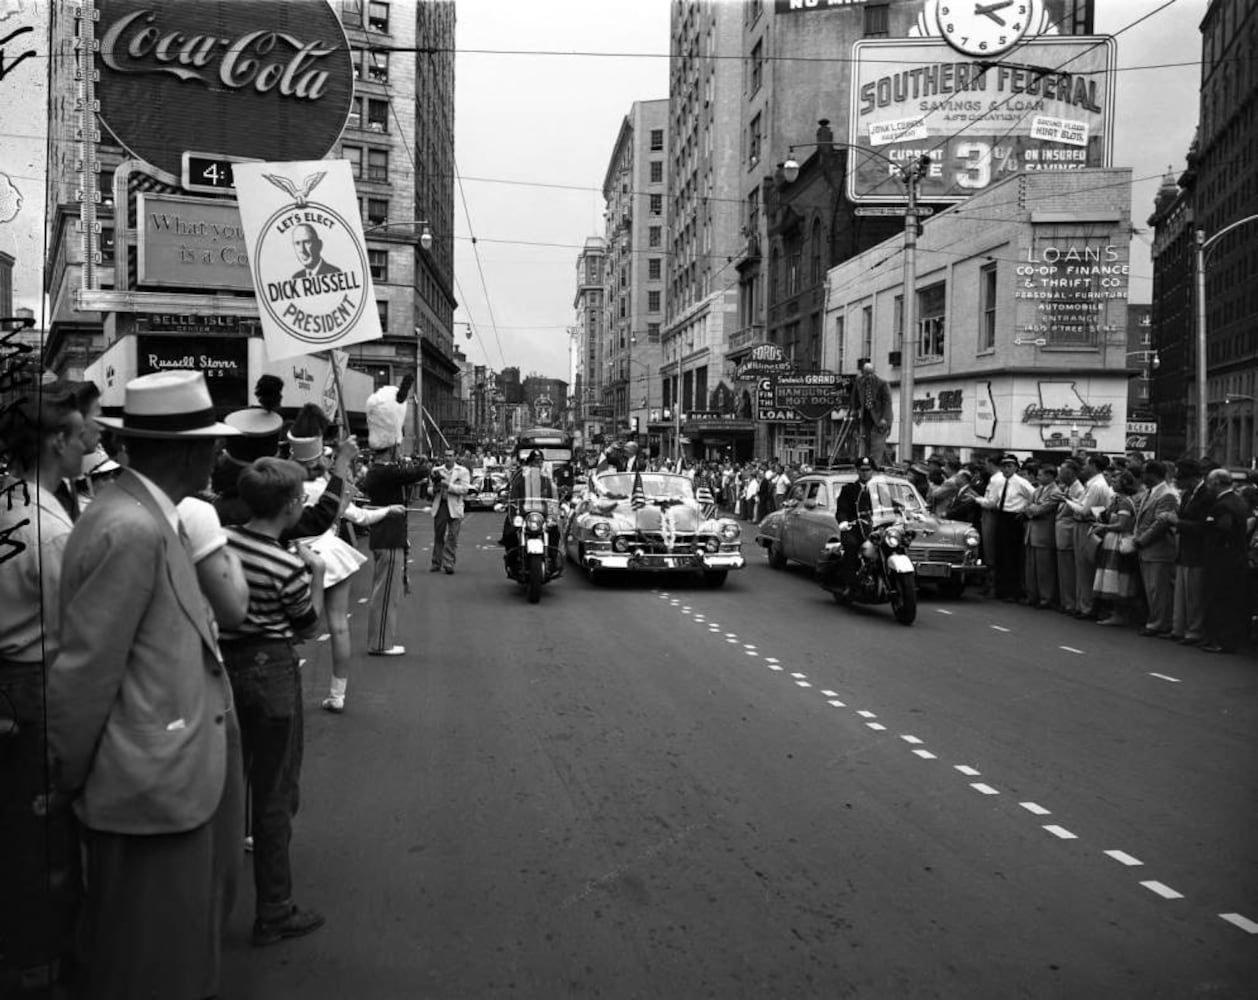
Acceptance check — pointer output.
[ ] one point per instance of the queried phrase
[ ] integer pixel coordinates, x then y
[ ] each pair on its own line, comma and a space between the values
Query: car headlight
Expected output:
535, 521
730, 530
714, 544
517, 521
973, 538
621, 544
601, 530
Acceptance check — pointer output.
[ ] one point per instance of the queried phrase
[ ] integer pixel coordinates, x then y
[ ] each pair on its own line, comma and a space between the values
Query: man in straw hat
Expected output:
140, 716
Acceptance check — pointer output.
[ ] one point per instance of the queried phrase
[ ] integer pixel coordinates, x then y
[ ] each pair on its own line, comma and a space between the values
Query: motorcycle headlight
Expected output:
535, 521
601, 530
730, 530
973, 539
892, 538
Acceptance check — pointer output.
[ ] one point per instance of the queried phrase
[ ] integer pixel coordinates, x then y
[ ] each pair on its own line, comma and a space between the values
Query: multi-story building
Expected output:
1021, 331
794, 74
636, 224
398, 140
1172, 310
589, 341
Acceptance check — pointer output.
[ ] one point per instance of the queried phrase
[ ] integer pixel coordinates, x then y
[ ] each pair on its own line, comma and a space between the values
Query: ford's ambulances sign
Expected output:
307, 255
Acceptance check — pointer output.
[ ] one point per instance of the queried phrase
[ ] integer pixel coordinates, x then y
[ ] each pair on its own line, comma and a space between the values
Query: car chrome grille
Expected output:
652, 542
953, 556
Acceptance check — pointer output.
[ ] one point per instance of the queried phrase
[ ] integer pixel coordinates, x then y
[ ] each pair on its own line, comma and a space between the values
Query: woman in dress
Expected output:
335, 546
1117, 565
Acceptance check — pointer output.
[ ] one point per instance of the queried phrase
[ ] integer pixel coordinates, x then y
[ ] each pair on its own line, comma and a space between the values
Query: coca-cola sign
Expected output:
265, 79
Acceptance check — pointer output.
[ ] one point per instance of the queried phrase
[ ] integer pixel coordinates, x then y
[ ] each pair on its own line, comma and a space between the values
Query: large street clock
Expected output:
984, 28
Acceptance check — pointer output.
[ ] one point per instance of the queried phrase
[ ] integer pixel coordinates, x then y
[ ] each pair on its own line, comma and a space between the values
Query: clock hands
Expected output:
990, 10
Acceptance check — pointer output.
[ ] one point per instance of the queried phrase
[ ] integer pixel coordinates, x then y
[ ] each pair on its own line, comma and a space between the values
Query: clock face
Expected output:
984, 27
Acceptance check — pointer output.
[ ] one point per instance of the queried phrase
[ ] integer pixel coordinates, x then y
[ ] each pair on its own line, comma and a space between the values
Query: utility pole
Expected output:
912, 173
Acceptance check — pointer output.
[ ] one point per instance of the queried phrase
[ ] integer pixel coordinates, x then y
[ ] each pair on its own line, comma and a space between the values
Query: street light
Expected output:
1203, 246
910, 173
425, 236
1150, 356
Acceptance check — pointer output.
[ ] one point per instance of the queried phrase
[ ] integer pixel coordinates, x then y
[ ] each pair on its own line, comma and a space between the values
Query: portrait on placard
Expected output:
307, 255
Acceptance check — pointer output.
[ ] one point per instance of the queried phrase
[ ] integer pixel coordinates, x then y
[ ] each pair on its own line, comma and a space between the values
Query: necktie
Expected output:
1004, 493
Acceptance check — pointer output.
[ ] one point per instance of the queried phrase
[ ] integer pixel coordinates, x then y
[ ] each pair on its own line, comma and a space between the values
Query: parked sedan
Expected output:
659, 529
944, 552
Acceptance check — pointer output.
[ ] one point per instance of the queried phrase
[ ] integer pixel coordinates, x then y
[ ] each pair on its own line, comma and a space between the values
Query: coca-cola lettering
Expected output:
191, 57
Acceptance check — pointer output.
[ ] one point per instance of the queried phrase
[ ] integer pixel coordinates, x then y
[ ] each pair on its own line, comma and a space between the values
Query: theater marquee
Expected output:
1048, 105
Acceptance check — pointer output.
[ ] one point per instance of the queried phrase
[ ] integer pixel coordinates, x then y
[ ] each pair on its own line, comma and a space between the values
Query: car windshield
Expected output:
893, 497
619, 486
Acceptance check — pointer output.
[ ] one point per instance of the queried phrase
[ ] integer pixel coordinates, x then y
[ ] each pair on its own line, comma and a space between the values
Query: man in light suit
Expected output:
1156, 547
140, 717
450, 484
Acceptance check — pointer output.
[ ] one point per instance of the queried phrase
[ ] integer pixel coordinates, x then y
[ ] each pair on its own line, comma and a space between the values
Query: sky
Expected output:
526, 119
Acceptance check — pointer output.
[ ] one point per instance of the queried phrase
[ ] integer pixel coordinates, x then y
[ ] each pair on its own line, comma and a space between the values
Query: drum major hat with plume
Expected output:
386, 415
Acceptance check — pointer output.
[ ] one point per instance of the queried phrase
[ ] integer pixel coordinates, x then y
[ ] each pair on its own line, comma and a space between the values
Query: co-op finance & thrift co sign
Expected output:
307, 254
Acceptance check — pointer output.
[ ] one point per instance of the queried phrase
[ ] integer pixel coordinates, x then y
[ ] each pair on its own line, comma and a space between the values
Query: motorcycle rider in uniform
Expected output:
854, 502
529, 482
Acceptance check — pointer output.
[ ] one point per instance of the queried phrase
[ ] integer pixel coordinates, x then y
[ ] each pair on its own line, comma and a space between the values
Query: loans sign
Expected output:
803, 396
267, 79
1048, 105
307, 255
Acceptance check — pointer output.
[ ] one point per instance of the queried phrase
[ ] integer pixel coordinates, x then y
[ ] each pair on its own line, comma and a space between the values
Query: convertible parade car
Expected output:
650, 523
945, 553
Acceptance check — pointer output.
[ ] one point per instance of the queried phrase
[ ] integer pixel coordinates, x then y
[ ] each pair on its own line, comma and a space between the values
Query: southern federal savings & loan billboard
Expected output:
1046, 105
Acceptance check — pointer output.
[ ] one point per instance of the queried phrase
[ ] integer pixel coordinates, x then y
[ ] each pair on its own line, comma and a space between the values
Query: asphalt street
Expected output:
652, 789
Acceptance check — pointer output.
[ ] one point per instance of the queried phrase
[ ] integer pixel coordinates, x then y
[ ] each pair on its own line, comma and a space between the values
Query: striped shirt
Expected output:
280, 604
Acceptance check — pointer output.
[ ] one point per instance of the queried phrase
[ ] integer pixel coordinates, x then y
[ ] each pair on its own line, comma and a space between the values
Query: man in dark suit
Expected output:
1189, 618
140, 717
871, 407
309, 250
1226, 565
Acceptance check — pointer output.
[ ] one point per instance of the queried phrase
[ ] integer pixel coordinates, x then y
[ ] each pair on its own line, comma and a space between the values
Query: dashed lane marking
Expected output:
773, 659
1123, 858
910, 739
1162, 889
362, 600
773, 666
999, 628
1164, 677
802, 684
1060, 831
1035, 808
865, 713
983, 789
1071, 649
799, 677
925, 754
749, 645
830, 694
837, 704
731, 635
751, 652
1244, 923
942, 611
876, 725
734, 641
968, 771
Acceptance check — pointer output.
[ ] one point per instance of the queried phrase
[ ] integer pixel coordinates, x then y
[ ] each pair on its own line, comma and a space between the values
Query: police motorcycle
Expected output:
532, 535
878, 572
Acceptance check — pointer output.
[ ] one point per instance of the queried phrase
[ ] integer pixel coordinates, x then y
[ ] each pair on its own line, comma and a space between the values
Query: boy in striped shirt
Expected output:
285, 605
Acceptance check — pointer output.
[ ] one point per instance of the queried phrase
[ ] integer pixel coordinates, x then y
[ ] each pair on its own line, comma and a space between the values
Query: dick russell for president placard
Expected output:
308, 255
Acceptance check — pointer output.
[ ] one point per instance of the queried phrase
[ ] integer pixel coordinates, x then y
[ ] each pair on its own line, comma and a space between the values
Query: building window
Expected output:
653, 236
653, 333
356, 113
877, 20
377, 211
930, 322
987, 321
378, 15
657, 204
815, 277
378, 115
753, 141
382, 310
897, 323
753, 211
351, 14
377, 164
867, 332
355, 156
653, 269
657, 171
657, 139
653, 301
840, 342
757, 65
379, 263
377, 65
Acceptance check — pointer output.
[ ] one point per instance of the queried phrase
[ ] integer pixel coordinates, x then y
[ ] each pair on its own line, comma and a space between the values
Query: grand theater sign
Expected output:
263, 79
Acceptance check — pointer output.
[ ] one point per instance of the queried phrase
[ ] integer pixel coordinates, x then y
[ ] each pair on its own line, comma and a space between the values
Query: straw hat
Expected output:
168, 404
